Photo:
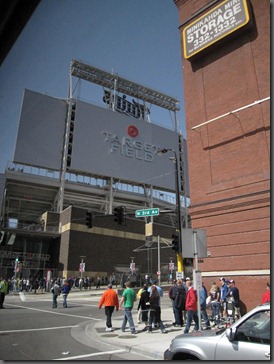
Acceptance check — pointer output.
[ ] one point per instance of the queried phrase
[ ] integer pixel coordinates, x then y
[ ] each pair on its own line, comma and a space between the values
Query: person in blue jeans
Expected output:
203, 296
128, 299
215, 304
191, 307
65, 291
55, 293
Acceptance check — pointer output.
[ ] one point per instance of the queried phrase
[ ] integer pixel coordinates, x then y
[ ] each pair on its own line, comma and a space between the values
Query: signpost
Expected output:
147, 212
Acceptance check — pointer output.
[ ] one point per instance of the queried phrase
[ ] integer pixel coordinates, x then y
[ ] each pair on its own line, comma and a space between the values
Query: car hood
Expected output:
205, 334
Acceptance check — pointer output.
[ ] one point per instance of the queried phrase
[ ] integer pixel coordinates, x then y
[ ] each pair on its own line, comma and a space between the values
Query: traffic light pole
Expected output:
178, 205
178, 208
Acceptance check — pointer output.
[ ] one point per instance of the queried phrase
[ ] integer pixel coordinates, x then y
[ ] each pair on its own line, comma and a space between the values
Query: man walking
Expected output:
55, 293
65, 291
4, 289
109, 300
191, 307
128, 299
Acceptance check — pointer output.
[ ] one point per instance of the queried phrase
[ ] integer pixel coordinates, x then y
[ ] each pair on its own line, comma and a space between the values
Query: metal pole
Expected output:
159, 264
178, 207
82, 261
197, 270
82, 265
179, 215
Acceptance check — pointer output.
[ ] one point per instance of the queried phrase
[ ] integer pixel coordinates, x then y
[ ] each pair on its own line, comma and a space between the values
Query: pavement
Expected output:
151, 345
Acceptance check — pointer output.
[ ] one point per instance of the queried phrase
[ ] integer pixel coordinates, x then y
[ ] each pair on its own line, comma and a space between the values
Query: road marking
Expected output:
54, 312
92, 354
41, 329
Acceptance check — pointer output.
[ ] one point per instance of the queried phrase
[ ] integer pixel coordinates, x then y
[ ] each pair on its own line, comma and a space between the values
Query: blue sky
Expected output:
138, 39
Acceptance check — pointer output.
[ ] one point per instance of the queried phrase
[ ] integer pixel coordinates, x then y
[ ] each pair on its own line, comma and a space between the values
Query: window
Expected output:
255, 329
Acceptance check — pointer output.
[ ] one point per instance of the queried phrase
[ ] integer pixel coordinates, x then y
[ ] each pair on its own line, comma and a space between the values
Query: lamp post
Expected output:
178, 206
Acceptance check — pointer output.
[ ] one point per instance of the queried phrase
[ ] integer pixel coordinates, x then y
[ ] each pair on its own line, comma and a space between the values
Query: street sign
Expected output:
179, 275
148, 229
188, 243
147, 212
82, 267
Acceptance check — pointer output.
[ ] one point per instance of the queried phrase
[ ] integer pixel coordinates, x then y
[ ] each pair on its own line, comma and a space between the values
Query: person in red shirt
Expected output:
266, 295
110, 300
191, 307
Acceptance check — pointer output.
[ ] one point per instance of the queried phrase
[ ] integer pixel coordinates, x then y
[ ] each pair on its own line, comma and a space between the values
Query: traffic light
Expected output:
89, 219
175, 242
120, 215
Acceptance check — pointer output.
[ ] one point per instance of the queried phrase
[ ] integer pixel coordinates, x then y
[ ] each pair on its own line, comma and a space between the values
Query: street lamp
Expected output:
178, 206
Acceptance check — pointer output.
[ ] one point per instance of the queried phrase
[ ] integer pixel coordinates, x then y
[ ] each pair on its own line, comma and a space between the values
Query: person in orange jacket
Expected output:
109, 300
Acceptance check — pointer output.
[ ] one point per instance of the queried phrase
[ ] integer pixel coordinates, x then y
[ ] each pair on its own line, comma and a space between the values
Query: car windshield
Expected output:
255, 329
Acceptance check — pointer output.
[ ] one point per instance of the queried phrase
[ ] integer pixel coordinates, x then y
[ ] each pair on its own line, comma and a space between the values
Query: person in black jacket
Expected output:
155, 310
179, 301
144, 306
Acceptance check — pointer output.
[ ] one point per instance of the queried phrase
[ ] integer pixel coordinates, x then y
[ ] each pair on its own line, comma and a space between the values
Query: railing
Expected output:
168, 197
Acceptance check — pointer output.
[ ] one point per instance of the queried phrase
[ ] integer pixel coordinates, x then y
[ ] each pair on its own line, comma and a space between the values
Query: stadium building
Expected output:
99, 195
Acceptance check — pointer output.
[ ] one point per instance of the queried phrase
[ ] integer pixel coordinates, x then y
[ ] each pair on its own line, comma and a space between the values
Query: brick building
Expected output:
227, 107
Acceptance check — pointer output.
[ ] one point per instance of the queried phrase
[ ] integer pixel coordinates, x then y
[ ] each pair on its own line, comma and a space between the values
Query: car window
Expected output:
255, 329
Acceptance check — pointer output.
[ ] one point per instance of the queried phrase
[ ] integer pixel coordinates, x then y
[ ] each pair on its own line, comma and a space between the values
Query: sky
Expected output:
137, 39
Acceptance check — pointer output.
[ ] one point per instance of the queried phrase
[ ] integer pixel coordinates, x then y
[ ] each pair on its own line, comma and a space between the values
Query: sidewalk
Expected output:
152, 345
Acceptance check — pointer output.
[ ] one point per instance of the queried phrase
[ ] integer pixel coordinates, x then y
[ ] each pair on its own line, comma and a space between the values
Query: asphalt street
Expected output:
30, 329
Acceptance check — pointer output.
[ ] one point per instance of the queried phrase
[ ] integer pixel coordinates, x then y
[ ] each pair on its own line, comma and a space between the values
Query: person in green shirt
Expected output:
4, 289
128, 299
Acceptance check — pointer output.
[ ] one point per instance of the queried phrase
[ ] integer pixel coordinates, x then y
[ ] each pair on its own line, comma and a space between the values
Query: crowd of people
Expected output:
220, 301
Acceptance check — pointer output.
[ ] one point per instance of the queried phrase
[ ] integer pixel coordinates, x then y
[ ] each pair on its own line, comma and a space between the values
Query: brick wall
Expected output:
229, 158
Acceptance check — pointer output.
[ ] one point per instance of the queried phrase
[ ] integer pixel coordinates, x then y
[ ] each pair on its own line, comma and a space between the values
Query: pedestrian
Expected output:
143, 306
98, 283
179, 301
223, 294
233, 292
266, 295
214, 294
160, 292
203, 297
154, 311
128, 299
139, 310
110, 301
4, 289
55, 293
171, 296
65, 291
191, 307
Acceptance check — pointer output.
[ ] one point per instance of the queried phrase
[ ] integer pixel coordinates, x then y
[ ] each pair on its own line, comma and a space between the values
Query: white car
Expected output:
247, 339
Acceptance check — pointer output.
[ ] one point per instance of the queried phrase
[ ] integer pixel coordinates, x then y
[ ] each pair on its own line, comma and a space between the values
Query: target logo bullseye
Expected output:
132, 131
